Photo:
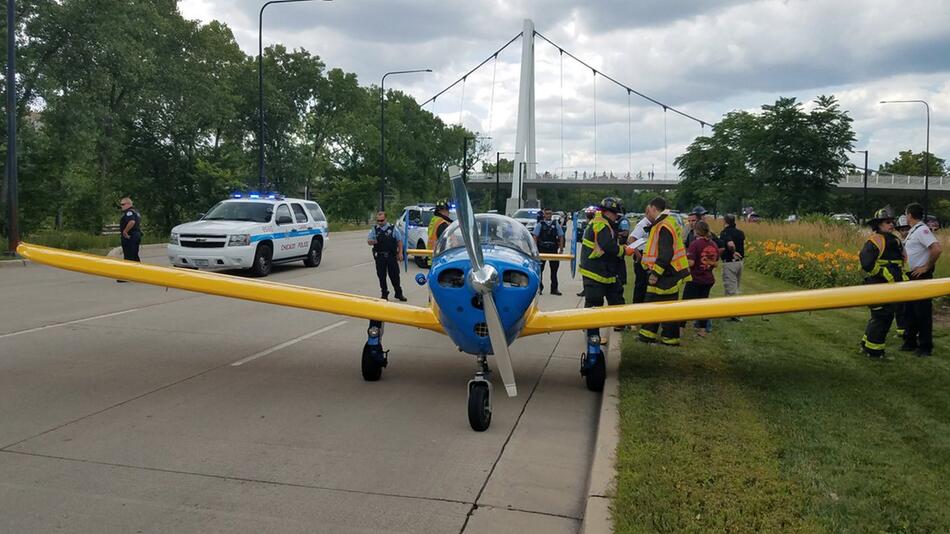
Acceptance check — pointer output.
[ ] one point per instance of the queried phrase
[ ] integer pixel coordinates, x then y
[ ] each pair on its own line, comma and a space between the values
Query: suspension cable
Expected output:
462, 79
461, 101
629, 140
632, 90
491, 105
665, 147
595, 122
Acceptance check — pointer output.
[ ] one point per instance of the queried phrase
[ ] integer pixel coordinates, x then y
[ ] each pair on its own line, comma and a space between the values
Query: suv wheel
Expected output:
262, 260
315, 255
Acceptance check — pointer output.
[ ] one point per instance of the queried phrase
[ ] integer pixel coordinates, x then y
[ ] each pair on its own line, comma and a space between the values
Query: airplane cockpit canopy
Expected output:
493, 229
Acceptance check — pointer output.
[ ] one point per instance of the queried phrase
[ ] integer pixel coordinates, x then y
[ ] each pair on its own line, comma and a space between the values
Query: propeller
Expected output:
484, 279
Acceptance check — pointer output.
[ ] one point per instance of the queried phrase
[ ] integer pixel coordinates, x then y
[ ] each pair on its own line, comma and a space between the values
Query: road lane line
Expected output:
286, 344
37, 329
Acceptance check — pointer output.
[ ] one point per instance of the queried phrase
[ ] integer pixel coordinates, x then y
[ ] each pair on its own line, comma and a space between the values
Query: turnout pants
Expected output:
875, 335
554, 268
667, 333
919, 321
387, 264
130, 247
640, 278
595, 293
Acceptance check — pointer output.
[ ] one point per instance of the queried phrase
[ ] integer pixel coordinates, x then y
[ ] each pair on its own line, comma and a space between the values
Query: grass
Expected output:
85, 242
782, 426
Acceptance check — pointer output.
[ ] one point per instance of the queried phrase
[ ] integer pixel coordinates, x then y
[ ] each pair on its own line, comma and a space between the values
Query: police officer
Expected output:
598, 253
665, 261
549, 237
882, 258
923, 250
386, 241
131, 227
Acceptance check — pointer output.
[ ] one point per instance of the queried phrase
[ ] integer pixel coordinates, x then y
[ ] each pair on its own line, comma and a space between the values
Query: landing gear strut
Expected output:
374, 357
594, 364
479, 396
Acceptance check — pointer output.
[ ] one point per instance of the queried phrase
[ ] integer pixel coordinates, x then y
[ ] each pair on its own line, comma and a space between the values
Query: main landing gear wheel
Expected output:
479, 405
374, 357
596, 373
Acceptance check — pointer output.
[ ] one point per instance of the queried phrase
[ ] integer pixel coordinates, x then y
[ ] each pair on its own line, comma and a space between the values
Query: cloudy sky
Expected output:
705, 57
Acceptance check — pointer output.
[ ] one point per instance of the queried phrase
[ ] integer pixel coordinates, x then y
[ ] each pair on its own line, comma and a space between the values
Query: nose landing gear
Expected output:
479, 397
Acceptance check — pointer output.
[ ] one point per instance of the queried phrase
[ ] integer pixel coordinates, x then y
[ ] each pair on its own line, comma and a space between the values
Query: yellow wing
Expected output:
235, 287
546, 257
685, 310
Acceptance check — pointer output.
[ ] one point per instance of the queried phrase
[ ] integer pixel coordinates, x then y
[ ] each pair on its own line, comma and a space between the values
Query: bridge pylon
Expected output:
526, 162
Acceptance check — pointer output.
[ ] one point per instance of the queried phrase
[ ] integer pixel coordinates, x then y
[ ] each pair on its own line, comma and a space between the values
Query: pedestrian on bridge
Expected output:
386, 241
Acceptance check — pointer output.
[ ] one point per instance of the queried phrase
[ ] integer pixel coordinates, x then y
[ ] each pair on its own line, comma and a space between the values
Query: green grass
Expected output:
85, 242
348, 226
782, 426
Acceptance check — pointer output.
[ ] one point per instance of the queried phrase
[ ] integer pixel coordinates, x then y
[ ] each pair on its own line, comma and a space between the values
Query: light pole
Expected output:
13, 230
864, 205
497, 176
926, 151
382, 133
260, 87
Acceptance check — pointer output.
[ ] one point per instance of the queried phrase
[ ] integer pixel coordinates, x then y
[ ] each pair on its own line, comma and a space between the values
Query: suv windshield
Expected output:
240, 211
492, 230
525, 214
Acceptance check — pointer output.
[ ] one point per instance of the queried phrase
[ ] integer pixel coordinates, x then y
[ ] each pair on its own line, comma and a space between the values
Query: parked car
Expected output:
846, 218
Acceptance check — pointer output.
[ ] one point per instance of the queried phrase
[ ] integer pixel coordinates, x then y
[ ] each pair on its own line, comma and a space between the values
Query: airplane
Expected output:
483, 287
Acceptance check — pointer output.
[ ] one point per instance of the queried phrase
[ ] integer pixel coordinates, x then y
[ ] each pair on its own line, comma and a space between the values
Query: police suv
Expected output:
417, 234
251, 231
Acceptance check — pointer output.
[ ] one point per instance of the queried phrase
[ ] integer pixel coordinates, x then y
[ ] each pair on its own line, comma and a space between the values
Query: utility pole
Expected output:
13, 229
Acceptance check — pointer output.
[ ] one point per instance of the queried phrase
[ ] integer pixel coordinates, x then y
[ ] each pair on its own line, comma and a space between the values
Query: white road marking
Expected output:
37, 329
286, 344
364, 263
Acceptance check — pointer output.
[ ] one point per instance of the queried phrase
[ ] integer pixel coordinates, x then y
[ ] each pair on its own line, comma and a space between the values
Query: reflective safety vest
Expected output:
596, 253
669, 279
434, 225
889, 263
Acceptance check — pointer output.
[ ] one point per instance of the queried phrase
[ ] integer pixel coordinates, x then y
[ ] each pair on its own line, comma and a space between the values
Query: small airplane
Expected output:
483, 294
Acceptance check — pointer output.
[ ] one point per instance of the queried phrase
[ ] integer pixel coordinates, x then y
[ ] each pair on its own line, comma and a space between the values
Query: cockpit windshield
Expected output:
493, 229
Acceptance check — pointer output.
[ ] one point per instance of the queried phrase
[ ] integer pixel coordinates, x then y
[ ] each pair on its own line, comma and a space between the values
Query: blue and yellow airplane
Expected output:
484, 286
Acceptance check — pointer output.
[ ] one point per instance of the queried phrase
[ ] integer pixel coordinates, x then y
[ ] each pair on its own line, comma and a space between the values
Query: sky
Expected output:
704, 57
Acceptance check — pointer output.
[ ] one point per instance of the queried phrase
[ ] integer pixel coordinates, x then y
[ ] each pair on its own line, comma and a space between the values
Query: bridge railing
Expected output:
897, 181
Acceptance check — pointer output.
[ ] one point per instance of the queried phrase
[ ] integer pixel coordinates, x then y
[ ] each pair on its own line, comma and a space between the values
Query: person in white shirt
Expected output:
922, 249
636, 241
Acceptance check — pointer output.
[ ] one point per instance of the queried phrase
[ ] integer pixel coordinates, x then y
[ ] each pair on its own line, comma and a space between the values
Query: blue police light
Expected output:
254, 194
237, 194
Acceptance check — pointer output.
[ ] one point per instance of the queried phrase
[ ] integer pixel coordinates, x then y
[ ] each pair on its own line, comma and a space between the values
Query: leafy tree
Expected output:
913, 164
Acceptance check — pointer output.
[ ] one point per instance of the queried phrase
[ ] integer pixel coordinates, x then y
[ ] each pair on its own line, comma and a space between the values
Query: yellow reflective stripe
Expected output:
588, 243
900, 331
658, 270
670, 340
872, 346
647, 334
657, 291
596, 277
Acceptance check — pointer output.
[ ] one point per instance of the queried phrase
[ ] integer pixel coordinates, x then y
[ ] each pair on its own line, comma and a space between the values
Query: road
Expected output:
132, 408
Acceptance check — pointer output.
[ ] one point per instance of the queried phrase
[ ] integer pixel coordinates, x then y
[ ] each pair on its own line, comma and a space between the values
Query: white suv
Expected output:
417, 235
251, 232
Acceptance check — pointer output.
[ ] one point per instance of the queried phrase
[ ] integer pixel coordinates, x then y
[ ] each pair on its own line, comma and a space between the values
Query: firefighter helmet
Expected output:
881, 215
441, 205
613, 204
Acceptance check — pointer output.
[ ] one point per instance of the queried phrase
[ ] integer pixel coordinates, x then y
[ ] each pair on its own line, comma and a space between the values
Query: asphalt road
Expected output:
132, 408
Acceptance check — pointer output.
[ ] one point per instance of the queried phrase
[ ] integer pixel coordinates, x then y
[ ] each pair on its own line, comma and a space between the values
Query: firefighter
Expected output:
882, 258
437, 225
599, 254
665, 262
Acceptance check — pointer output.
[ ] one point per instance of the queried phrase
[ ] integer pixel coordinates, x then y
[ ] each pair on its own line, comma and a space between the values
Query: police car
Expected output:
417, 235
251, 231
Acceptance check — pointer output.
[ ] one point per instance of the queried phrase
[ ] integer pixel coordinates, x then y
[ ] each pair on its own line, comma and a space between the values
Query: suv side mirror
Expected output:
284, 219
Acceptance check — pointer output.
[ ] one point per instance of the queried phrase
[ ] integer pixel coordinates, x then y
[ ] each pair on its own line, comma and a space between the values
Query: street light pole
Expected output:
382, 133
13, 230
260, 87
926, 151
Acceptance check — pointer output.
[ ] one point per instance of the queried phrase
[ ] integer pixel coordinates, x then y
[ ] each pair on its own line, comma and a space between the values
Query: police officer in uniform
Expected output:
131, 227
599, 253
386, 241
549, 237
882, 258
665, 262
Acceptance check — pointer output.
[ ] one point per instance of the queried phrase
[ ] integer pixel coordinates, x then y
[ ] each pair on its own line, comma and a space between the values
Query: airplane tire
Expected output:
479, 407
597, 374
372, 369
315, 254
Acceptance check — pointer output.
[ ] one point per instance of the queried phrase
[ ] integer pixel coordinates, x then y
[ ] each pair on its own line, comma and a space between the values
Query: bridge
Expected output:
888, 183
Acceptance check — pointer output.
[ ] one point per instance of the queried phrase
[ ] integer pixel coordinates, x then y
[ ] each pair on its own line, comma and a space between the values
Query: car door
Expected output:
303, 227
284, 244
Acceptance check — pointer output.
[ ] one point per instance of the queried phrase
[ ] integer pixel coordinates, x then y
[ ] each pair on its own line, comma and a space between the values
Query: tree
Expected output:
912, 164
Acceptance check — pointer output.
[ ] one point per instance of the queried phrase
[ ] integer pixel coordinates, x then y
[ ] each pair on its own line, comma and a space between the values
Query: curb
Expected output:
601, 486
